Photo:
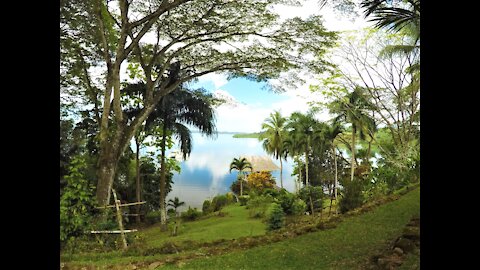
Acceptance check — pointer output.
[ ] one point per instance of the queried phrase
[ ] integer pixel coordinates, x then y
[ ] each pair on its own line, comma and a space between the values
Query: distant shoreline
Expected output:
255, 135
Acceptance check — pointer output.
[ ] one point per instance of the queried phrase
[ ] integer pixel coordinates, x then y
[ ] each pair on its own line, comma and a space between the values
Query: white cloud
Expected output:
217, 79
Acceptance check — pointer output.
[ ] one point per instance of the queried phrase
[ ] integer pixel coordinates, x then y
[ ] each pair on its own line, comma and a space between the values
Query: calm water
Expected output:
206, 172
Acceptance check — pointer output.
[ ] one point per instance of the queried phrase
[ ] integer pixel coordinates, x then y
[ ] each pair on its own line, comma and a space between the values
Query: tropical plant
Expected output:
176, 109
393, 15
354, 109
301, 130
258, 181
276, 217
76, 202
273, 136
175, 203
240, 164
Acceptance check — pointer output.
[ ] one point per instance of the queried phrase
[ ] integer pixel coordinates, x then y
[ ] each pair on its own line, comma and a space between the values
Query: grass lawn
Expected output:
234, 224
347, 246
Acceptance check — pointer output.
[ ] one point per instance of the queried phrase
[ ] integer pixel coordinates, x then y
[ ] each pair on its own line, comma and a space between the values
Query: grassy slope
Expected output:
235, 224
346, 247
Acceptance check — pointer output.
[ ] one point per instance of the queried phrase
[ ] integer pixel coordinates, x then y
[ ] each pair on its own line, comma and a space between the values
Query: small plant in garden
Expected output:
276, 217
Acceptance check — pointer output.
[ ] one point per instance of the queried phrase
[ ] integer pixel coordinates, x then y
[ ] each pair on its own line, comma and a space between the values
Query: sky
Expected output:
254, 104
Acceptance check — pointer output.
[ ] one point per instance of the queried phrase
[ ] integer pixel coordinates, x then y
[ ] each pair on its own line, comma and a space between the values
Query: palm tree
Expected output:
393, 15
273, 136
331, 134
353, 109
175, 204
301, 127
240, 164
293, 148
180, 107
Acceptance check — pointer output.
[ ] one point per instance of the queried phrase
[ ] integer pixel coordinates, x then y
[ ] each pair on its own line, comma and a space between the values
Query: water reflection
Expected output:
206, 172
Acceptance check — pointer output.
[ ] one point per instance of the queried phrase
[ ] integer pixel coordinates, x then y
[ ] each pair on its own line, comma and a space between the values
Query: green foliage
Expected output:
243, 199
259, 181
312, 195
207, 207
286, 201
298, 207
352, 196
152, 217
276, 217
218, 202
76, 202
191, 214
235, 186
258, 205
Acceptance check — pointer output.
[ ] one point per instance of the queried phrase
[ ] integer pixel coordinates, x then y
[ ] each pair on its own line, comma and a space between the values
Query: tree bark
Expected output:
137, 159
281, 173
354, 133
163, 210
105, 174
241, 183
306, 164
336, 179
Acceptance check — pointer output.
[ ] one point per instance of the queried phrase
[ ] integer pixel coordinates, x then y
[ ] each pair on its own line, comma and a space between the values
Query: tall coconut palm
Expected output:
393, 15
273, 136
331, 134
175, 203
353, 109
178, 108
293, 148
240, 164
301, 127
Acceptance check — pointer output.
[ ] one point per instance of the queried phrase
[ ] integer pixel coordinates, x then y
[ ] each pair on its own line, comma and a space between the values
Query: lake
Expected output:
205, 173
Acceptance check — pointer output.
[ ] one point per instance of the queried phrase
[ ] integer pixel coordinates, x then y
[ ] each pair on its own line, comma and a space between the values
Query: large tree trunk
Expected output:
281, 173
107, 165
241, 183
137, 163
354, 133
163, 210
306, 165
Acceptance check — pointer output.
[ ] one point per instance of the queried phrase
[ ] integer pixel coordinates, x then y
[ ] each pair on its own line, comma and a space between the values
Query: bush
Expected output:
207, 207
219, 202
298, 207
191, 214
230, 198
276, 217
243, 199
152, 217
352, 196
259, 181
76, 202
235, 187
315, 193
272, 192
286, 201
258, 206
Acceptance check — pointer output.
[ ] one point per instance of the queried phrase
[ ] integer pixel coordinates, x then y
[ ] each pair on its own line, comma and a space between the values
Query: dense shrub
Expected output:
260, 180
243, 199
191, 214
276, 217
312, 195
298, 207
152, 217
230, 198
207, 207
352, 196
258, 206
235, 187
272, 192
218, 202
286, 200
76, 202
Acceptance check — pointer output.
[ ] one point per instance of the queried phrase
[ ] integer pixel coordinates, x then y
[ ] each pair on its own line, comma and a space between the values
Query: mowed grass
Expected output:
347, 246
234, 224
